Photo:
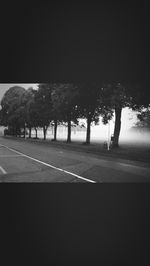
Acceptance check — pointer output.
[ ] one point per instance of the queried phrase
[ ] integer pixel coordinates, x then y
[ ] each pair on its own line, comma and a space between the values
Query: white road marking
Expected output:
49, 165
3, 170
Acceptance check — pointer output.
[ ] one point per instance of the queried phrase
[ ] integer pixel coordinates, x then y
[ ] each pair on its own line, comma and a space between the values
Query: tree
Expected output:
56, 104
65, 98
91, 105
31, 110
12, 111
117, 96
43, 104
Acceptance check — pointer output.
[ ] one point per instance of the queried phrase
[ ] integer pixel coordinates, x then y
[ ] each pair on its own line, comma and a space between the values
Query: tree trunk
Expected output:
55, 130
30, 132
117, 127
18, 132
24, 131
44, 132
88, 132
69, 131
15, 132
35, 132
24, 134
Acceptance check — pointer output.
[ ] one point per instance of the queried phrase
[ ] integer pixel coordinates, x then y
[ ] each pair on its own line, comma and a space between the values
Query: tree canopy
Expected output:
68, 102
12, 112
144, 118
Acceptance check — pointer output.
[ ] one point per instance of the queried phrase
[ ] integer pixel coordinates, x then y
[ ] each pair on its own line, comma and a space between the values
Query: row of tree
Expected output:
66, 102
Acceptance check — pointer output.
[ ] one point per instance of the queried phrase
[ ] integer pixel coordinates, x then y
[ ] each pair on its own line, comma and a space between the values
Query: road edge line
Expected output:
49, 165
3, 170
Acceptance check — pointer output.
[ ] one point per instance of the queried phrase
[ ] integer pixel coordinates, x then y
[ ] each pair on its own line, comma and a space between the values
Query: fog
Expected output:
127, 136
102, 133
136, 137
99, 134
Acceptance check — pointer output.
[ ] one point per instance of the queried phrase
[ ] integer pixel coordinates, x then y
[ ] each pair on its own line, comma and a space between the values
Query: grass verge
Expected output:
126, 151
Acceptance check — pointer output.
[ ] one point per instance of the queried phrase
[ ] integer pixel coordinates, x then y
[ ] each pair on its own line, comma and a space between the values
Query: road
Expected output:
24, 161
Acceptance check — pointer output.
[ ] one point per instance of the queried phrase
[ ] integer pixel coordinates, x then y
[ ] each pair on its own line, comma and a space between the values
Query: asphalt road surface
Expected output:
24, 161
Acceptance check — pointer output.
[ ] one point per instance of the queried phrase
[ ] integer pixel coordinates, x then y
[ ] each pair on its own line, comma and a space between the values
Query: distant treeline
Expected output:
56, 103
